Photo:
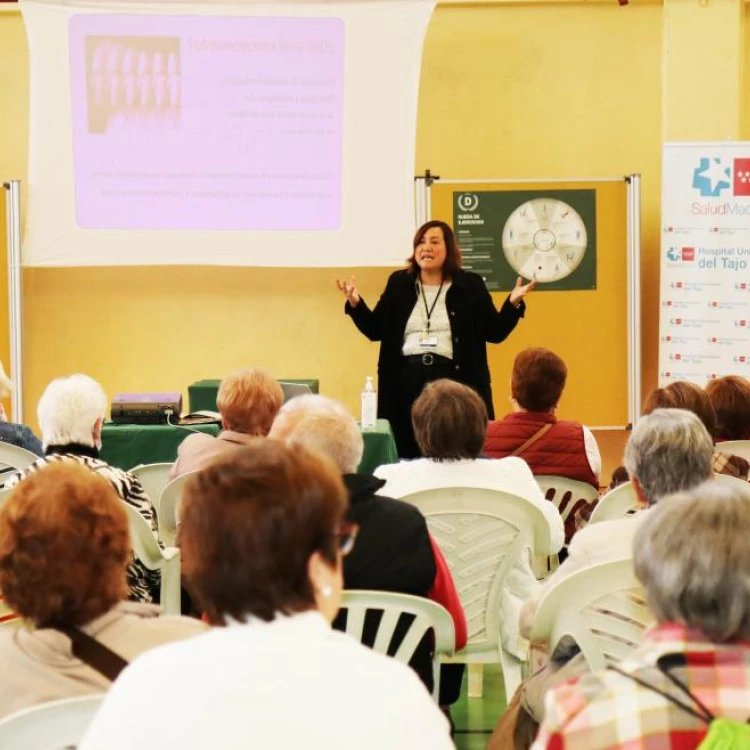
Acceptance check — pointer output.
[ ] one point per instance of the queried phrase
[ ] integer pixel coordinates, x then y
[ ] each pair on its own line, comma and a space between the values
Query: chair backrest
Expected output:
731, 481
603, 608
568, 495
15, 456
166, 560
59, 725
616, 503
427, 615
153, 478
483, 534
735, 447
169, 509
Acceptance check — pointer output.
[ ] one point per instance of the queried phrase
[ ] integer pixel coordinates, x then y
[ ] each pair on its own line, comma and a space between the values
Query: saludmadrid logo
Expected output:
717, 178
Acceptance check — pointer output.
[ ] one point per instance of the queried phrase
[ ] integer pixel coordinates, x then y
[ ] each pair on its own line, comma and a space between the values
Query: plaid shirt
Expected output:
609, 710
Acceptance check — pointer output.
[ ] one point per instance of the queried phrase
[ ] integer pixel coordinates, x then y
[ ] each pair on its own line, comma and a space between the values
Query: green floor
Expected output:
476, 717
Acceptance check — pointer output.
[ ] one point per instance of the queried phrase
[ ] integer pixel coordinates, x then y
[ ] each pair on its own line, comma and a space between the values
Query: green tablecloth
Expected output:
202, 395
127, 445
380, 448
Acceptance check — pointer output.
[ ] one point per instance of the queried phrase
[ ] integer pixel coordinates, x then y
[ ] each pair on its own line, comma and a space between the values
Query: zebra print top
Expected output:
144, 583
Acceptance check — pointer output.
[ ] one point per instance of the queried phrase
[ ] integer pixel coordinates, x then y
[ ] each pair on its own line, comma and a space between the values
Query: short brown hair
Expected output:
249, 400
450, 421
683, 395
730, 398
64, 546
538, 379
452, 251
250, 522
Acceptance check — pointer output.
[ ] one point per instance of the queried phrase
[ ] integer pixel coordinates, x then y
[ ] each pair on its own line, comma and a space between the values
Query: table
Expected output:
380, 447
202, 394
127, 445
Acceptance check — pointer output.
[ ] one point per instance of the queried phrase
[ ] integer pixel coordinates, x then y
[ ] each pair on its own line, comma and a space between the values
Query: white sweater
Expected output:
290, 683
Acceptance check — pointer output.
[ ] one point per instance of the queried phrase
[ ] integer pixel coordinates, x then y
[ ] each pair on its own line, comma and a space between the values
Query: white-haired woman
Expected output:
71, 414
692, 556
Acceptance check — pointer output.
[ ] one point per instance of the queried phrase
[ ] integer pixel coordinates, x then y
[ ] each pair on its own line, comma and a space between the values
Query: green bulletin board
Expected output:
583, 317
547, 235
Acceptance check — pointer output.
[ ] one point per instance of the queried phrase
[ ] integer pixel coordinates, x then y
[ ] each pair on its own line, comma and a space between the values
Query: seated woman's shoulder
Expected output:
146, 620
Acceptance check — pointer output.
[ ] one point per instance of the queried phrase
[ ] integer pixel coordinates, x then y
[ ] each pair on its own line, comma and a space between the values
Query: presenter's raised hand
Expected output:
349, 290
520, 291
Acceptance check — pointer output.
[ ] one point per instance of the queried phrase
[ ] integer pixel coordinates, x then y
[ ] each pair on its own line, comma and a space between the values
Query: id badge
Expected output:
428, 342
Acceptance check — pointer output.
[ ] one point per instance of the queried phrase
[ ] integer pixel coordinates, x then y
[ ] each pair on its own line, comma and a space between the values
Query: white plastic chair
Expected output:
603, 608
16, 457
735, 447
166, 560
483, 534
153, 478
59, 725
428, 616
616, 503
730, 480
169, 509
568, 496
4, 494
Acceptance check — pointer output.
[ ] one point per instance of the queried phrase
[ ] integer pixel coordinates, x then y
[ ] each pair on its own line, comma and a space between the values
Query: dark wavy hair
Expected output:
452, 250
730, 397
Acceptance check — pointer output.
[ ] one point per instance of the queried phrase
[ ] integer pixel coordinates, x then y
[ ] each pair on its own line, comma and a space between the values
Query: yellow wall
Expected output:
508, 90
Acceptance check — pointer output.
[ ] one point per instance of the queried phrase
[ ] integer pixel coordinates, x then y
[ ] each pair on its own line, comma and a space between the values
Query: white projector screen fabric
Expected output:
245, 133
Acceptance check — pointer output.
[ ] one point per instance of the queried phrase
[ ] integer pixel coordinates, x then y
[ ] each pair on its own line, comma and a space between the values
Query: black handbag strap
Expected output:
95, 654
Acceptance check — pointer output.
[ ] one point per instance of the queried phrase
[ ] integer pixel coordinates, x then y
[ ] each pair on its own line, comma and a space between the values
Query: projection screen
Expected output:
246, 133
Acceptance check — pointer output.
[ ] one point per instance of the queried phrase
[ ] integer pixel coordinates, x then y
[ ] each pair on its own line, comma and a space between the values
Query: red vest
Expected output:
561, 451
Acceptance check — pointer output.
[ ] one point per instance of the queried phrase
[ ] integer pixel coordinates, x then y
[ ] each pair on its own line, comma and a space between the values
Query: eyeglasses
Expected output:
346, 536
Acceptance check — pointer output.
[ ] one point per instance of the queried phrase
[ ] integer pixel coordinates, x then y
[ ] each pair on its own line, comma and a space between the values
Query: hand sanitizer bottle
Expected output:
369, 405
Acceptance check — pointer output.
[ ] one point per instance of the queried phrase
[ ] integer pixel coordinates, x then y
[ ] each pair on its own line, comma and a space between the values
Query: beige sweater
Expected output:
38, 666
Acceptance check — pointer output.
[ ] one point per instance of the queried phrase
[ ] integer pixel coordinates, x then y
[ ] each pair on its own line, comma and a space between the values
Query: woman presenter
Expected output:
433, 321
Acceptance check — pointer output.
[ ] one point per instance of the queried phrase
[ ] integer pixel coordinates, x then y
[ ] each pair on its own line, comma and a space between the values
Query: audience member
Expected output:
248, 400
450, 426
689, 679
262, 536
532, 431
668, 451
64, 549
71, 413
11, 432
730, 398
684, 395
394, 551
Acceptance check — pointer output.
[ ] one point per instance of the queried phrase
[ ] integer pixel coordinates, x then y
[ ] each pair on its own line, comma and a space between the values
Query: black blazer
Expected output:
474, 322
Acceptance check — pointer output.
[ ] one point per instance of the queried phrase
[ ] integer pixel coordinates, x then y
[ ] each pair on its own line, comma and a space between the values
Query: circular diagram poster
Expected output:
547, 235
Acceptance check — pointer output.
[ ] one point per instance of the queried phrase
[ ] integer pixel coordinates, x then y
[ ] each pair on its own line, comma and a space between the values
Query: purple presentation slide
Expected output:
196, 122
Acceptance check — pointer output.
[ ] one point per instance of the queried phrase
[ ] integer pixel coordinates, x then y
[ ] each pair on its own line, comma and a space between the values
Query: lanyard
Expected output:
429, 311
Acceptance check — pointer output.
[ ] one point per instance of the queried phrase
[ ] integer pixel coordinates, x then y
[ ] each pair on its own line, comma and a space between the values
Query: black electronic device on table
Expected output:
146, 408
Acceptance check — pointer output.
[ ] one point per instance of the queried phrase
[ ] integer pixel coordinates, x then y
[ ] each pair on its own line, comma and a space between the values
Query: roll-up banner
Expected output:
704, 330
